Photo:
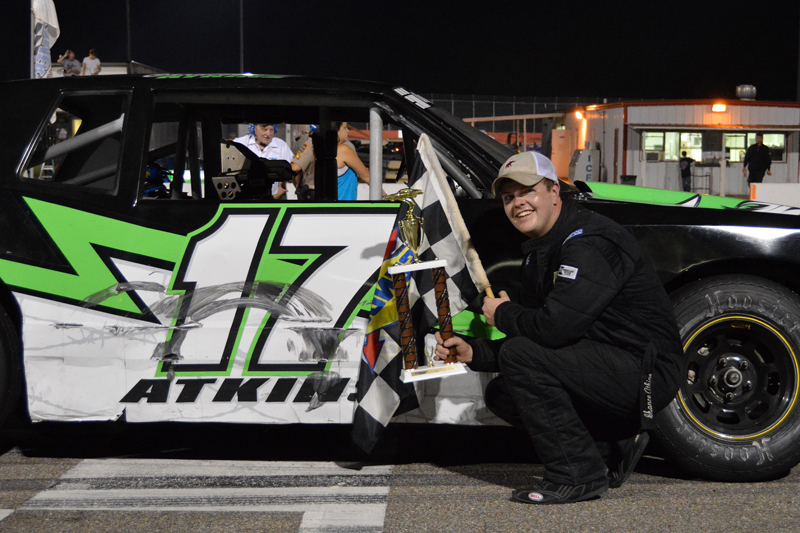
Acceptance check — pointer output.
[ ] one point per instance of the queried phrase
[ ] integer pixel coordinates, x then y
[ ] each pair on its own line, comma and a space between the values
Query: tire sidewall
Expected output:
770, 453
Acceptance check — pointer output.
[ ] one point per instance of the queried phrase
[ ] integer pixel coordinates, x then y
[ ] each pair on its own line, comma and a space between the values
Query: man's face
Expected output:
72, 56
759, 139
264, 134
532, 210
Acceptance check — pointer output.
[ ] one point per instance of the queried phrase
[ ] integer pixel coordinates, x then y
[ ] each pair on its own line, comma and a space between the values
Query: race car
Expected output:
147, 273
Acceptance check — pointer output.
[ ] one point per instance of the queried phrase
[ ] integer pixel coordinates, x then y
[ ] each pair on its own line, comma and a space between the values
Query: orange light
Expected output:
578, 115
718, 108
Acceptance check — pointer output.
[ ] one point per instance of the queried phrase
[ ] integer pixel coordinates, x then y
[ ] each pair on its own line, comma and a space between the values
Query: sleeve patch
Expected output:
566, 271
573, 234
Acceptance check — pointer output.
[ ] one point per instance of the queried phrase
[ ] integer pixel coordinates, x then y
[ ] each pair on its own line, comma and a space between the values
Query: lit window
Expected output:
669, 145
736, 145
776, 143
692, 144
653, 142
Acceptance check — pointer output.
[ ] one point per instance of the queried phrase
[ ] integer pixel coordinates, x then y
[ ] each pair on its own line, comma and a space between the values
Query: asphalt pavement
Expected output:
214, 478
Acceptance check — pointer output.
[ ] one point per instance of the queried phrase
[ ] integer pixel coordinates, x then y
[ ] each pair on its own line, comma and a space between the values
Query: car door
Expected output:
258, 307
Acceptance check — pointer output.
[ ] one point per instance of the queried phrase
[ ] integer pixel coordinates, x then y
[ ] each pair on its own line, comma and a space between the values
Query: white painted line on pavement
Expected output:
217, 499
346, 499
139, 468
5, 512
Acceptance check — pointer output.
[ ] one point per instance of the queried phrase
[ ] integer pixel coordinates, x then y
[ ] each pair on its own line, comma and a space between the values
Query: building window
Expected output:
776, 143
653, 142
692, 144
668, 145
736, 145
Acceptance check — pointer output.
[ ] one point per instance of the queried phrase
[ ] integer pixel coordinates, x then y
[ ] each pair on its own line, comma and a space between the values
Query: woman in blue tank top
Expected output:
351, 169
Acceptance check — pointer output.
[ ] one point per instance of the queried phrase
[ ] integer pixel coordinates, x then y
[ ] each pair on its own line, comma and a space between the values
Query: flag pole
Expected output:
32, 58
453, 214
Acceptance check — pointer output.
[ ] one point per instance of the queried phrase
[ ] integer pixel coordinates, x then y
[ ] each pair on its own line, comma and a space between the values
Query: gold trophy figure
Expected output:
412, 234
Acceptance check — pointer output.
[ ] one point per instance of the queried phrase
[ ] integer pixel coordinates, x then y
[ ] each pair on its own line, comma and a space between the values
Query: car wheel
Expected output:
736, 416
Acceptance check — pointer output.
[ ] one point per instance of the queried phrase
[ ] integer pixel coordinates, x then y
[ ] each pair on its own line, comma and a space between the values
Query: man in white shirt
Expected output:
262, 142
91, 64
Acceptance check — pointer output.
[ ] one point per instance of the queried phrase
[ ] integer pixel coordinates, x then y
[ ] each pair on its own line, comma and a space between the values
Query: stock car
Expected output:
210, 301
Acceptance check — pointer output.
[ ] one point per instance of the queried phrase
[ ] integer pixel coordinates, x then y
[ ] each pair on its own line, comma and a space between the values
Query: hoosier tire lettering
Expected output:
737, 414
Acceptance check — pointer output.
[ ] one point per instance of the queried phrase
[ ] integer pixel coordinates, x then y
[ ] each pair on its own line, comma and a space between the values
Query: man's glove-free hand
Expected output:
463, 350
490, 306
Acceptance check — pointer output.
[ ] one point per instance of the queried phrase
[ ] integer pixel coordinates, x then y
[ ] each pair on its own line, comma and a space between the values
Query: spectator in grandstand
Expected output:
71, 65
91, 64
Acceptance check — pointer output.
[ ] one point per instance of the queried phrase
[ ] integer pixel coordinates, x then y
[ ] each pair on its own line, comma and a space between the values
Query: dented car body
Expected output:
131, 287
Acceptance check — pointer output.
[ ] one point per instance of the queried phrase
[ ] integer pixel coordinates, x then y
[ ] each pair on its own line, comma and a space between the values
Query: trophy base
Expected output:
414, 267
432, 372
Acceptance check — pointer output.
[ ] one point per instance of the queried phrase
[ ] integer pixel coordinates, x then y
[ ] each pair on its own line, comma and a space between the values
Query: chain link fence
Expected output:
469, 106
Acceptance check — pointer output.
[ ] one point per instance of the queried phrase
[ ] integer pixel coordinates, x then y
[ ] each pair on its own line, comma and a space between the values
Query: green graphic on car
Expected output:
272, 279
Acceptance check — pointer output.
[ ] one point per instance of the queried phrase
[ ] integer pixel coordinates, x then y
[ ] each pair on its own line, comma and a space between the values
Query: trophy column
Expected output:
413, 372
411, 233
443, 310
407, 344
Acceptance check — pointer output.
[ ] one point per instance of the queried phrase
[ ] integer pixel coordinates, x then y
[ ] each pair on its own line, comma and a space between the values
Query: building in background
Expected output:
644, 140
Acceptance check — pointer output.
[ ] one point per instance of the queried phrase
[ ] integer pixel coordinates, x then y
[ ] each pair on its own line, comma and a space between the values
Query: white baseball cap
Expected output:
527, 168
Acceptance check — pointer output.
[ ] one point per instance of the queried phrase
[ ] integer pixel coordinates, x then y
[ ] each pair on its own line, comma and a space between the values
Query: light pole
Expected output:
241, 36
128, 29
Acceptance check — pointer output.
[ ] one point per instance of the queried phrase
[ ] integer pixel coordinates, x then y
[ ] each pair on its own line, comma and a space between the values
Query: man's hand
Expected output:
744, 171
490, 306
769, 173
463, 350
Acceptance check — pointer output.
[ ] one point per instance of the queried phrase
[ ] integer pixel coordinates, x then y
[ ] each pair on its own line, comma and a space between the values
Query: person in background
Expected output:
91, 64
511, 142
757, 160
350, 167
685, 165
262, 141
71, 65
592, 348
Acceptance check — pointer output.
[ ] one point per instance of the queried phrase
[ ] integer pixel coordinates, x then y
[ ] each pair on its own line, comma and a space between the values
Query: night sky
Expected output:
668, 49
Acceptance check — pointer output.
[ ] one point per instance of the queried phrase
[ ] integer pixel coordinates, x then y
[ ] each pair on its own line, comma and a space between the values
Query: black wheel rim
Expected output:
741, 377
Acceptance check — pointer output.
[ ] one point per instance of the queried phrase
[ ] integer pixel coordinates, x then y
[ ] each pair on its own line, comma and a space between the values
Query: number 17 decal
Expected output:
254, 272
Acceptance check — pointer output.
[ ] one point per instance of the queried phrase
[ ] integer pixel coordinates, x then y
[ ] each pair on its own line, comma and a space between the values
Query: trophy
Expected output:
412, 234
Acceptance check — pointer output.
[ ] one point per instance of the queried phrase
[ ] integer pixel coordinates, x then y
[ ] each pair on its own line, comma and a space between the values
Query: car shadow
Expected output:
497, 455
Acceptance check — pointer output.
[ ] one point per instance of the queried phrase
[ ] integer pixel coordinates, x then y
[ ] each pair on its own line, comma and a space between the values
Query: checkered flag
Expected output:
380, 394
446, 237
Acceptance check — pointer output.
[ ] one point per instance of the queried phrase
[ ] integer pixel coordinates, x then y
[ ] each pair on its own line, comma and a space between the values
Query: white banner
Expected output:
45, 33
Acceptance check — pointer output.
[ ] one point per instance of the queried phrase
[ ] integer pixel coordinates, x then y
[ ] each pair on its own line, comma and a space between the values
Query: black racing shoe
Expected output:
619, 473
548, 493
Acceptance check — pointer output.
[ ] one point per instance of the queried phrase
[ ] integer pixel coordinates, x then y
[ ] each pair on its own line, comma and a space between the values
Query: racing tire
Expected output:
736, 416
10, 368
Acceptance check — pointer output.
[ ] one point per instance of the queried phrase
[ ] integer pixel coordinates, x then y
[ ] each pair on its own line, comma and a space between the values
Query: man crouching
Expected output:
592, 348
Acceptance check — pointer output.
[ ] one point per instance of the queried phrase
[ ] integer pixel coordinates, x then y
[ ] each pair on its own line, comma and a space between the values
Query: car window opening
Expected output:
81, 143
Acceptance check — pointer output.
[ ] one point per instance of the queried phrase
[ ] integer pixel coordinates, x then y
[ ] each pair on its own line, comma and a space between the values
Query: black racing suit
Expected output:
592, 345
757, 161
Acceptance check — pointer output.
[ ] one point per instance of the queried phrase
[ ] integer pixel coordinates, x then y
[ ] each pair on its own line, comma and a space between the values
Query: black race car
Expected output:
147, 272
